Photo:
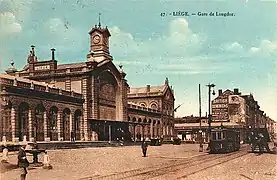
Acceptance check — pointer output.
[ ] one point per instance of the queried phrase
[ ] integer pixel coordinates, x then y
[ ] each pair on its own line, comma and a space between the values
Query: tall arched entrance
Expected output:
23, 116
76, 124
66, 124
38, 123
108, 94
52, 123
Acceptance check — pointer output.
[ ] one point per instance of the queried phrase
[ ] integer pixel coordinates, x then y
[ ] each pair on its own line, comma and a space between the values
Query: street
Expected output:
162, 162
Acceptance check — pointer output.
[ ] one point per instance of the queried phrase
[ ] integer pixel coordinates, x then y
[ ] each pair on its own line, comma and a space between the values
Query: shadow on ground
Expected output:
6, 166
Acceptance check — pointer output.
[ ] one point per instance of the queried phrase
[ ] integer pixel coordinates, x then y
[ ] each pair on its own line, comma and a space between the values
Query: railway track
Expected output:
184, 167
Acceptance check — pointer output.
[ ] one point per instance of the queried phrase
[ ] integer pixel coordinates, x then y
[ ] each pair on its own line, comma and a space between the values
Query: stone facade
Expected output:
237, 108
27, 115
159, 99
102, 93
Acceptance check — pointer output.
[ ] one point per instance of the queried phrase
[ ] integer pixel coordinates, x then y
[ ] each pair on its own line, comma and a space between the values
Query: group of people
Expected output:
257, 139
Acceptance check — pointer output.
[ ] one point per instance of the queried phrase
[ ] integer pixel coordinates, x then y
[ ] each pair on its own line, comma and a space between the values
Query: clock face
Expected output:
96, 39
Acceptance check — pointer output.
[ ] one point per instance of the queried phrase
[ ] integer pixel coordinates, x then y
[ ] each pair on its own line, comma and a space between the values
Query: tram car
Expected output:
224, 140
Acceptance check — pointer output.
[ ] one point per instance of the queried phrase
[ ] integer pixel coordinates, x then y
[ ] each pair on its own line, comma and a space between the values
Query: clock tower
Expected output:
99, 44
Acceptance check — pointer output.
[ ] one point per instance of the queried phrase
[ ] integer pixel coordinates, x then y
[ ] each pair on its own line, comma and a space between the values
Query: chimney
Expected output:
220, 92
148, 88
236, 91
53, 53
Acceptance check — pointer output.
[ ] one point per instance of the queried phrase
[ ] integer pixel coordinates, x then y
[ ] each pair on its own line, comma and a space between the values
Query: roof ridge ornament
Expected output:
12, 63
166, 81
99, 20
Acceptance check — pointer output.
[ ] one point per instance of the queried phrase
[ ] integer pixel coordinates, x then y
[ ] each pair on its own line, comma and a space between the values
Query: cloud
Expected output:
180, 51
176, 47
62, 35
8, 24
266, 47
232, 47
179, 41
180, 34
55, 25
123, 42
20, 8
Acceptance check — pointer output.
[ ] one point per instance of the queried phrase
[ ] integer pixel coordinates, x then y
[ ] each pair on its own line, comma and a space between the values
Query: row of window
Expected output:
220, 101
220, 106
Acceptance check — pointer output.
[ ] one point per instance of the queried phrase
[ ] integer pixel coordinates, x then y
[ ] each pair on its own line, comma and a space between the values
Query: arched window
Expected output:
38, 123
23, 115
76, 124
52, 123
142, 104
154, 106
66, 124
5, 123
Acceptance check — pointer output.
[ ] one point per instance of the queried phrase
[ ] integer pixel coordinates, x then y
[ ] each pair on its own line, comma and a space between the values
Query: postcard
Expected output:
138, 89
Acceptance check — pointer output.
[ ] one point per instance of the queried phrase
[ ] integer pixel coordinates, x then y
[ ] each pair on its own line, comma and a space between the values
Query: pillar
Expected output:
70, 124
30, 122
110, 133
81, 128
151, 132
68, 84
143, 133
46, 138
59, 121
85, 106
134, 132
94, 97
158, 130
13, 122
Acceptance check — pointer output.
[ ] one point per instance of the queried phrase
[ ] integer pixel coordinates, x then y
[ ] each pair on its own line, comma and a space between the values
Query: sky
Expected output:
238, 51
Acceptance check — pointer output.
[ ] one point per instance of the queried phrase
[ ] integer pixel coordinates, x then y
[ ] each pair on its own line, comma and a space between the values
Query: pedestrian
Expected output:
23, 162
72, 136
253, 141
5, 154
263, 142
46, 161
144, 146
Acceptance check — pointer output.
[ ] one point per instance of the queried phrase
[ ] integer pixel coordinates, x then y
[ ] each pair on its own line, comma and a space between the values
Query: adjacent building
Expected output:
90, 100
230, 109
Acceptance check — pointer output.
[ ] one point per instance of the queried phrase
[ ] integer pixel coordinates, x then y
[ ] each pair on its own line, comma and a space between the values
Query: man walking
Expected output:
23, 162
144, 146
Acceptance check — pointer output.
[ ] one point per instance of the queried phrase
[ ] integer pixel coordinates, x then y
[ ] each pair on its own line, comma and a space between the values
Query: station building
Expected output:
88, 101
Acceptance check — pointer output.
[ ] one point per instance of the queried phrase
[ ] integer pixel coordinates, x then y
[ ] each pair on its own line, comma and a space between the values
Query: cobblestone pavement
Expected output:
182, 162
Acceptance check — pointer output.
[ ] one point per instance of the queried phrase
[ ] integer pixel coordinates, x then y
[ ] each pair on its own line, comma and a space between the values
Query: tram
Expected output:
224, 140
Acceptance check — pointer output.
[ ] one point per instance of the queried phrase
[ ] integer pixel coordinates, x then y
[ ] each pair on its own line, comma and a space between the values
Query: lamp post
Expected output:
200, 128
210, 86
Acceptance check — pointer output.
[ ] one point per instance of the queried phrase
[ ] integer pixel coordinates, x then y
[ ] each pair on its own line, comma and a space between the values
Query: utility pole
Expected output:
209, 115
200, 128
